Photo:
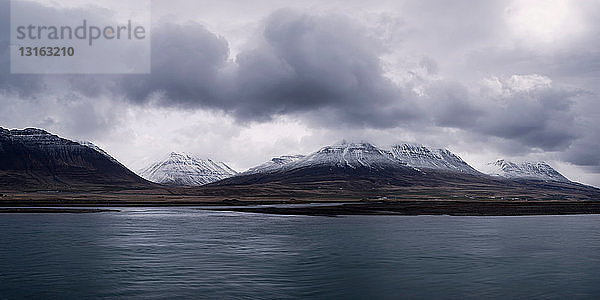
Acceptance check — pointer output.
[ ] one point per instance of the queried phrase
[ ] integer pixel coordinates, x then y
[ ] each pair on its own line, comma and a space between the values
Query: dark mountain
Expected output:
33, 159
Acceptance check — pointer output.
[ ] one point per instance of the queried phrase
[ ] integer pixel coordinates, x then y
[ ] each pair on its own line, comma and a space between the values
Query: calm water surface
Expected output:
190, 253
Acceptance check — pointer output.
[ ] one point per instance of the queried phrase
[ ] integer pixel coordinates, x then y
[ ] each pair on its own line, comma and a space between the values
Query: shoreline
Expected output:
57, 210
418, 208
323, 208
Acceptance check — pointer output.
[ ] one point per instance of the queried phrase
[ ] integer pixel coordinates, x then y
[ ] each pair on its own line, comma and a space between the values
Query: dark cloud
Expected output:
450, 104
301, 63
584, 153
525, 109
538, 119
309, 63
186, 61
327, 71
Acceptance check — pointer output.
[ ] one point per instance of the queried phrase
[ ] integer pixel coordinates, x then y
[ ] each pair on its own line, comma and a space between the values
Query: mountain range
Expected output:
33, 159
409, 157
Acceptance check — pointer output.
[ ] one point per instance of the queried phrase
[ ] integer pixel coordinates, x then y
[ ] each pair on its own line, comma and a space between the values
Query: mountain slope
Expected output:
524, 170
98, 149
275, 164
185, 169
35, 159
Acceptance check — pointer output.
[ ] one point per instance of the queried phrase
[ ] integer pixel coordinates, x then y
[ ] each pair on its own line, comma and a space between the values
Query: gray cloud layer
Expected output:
327, 69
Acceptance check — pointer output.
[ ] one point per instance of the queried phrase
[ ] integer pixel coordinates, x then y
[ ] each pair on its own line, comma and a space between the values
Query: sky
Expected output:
245, 81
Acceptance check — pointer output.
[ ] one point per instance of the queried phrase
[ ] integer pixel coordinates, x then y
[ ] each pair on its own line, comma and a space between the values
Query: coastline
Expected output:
416, 208
336, 208
53, 210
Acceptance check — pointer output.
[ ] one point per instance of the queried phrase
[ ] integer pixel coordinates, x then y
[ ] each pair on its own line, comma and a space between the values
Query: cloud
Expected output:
301, 63
67, 113
531, 111
317, 63
22, 84
525, 109
584, 153
327, 70
186, 61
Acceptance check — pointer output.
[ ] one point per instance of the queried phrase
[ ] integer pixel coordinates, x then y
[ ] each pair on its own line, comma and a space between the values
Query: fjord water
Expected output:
185, 252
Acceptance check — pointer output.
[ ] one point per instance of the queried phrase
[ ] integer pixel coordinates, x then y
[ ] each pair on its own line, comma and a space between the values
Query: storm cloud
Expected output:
526, 109
469, 68
300, 63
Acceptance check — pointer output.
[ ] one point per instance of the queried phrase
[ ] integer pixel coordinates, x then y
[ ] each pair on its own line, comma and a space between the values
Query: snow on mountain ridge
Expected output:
366, 155
274, 164
525, 170
100, 150
350, 154
420, 156
186, 169
37, 136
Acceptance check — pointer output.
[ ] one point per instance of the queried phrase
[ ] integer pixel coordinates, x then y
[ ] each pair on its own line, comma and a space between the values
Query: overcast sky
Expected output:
244, 81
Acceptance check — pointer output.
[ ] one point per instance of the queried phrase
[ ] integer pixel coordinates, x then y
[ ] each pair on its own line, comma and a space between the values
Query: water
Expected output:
184, 252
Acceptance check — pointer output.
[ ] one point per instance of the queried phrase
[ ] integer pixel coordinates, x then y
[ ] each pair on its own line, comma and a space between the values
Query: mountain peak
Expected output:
352, 143
527, 170
275, 164
27, 131
186, 169
350, 154
180, 154
421, 156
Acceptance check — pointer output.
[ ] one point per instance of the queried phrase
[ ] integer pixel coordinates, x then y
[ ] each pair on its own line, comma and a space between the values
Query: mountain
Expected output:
422, 157
35, 159
183, 169
275, 164
357, 155
355, 160
524, 170
343, 155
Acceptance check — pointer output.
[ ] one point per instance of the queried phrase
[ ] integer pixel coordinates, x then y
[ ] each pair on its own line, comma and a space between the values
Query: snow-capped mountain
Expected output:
186, 169
365, 155
423, 157
344, 162
275, 164
525, 170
